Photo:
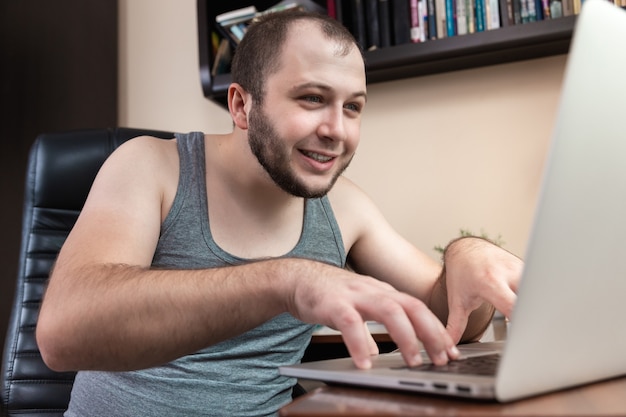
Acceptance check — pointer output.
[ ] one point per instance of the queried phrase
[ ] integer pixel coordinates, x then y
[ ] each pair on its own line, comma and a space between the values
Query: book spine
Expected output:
432, 19
524, 11
415, 21
371, 24
401, 21
440, 13
423, 10
545, 9
494, 14
330, 9
517, 11
568, 7
238, 30
470, 10
532, 11
384, 23
539, 9
480, 15
226, 34
450, 17
461, 17
506, 13
357, 19
339, 11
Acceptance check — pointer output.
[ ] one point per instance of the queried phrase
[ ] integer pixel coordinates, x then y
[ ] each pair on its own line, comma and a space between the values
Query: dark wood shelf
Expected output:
507, 44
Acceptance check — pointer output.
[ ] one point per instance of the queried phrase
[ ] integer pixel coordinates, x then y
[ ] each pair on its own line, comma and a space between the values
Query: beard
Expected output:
267, 146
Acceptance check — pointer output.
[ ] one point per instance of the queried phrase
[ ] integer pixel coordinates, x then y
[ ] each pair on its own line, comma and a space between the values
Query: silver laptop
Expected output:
567, 328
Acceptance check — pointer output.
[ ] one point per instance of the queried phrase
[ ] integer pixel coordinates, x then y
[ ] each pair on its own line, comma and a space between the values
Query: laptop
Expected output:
566, 328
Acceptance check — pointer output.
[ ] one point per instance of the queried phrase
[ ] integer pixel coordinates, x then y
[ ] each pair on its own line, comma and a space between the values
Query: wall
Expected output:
438, 153
58, 72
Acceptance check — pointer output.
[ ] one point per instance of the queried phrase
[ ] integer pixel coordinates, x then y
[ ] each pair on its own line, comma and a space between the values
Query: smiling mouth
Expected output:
317, 157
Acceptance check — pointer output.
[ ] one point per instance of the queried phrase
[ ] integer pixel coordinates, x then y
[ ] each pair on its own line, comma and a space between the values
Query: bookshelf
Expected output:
507, 44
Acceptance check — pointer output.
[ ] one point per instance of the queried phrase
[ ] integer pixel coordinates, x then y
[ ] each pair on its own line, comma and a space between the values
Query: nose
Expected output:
333, 124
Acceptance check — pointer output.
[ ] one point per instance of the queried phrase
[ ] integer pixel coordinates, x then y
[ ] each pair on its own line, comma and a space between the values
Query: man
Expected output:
199, 265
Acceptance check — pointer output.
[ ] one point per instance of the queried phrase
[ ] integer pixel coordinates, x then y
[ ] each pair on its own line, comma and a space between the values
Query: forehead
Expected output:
308, 55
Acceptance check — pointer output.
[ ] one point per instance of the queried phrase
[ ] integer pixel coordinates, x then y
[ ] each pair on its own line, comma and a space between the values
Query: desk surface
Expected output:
601, 399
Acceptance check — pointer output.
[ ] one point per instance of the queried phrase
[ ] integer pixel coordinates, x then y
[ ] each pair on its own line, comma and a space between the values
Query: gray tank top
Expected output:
238, 377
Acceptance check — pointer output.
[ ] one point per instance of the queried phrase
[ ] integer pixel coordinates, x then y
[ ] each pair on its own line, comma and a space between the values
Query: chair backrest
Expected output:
61, 169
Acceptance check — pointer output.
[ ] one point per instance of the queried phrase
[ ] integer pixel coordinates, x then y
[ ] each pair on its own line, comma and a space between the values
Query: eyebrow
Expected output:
325, 87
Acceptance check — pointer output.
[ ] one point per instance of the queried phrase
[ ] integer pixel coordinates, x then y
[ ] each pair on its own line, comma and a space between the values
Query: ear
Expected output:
239, 102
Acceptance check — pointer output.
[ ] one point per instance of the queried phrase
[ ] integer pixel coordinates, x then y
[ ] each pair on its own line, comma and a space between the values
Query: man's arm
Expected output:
105, 308
477, 275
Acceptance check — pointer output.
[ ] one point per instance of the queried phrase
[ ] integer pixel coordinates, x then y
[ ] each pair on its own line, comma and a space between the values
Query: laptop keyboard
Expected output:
486, 365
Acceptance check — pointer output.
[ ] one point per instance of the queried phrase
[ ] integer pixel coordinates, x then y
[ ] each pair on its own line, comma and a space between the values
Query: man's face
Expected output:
307, 130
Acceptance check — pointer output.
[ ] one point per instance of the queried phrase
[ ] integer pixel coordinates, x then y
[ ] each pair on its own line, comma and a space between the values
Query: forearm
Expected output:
125, 317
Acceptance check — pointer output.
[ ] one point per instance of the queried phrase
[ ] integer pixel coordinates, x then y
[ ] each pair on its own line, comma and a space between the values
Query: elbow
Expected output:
53, 346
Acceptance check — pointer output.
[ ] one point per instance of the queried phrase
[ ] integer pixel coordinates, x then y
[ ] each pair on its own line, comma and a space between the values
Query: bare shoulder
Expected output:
126, 205
143, 159
354, 210
147, 150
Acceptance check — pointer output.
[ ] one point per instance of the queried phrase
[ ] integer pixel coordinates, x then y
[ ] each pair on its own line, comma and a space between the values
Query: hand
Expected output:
478, 272
344, 300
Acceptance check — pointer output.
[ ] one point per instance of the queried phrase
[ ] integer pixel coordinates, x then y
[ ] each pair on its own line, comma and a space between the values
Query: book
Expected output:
423, 11
237, 14
238, 30
545, 6
461, 17
480, 15
517, 11
493, 14
539, 9
506, 12
440, 13
354, 20
225, 33
330, 9
339, 10
556, 9
432, 19
568, 7
450, 17
371, 24
225, 23
222, 60
401, 21
384, 23
415, 21
532, 11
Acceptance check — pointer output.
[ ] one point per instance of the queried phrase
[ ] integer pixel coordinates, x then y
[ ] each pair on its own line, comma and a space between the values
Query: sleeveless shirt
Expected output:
239, 376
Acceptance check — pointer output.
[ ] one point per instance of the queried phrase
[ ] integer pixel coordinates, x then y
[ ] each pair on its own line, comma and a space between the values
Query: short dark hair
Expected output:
259, 52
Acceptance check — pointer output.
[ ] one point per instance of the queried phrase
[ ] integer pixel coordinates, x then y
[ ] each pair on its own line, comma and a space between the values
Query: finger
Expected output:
437, 342
358, 341
401, 329
423, 326
502, 297
373, 346
457, 322
505, 302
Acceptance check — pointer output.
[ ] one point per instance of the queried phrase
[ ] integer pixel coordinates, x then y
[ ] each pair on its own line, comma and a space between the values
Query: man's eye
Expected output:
312, 99
353, 107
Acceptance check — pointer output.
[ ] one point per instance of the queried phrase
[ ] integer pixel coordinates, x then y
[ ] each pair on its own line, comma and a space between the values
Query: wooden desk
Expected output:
600, 399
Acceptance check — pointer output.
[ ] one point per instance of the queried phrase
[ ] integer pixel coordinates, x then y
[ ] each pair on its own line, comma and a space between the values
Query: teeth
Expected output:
317, 157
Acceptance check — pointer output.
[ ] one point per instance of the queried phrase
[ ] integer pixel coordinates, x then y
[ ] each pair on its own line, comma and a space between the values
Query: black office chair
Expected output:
61, 169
